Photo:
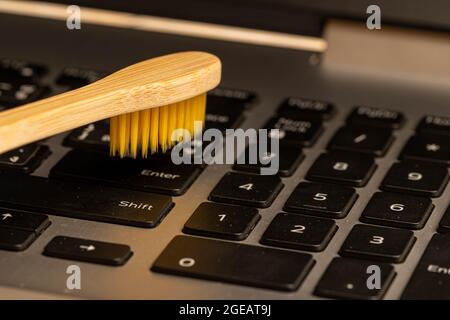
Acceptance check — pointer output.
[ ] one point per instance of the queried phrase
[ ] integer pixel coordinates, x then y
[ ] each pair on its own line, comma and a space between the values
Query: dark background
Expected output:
292, 16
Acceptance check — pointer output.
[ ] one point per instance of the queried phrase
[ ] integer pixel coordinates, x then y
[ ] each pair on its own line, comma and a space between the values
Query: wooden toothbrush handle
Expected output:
148, 84
47, 117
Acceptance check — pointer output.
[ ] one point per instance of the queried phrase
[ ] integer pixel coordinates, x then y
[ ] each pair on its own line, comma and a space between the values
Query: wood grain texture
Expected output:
148, 84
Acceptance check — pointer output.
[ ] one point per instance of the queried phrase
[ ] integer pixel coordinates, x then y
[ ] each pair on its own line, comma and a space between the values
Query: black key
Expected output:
365, 140
94, 136
299, 232
378, 243
88, 250
420, 178
25, 159
15, 239
305, 132
306, 108
247, 189
430, 279
232, 94
84, 201
348, 278
222, 221
290, 156
19, 70
235, 263
434, 125
342, 167
428, 148
23, 220
321, 199
444, 225
223, 117
16, 93
369, 116
74, 77
397, 210
155, 174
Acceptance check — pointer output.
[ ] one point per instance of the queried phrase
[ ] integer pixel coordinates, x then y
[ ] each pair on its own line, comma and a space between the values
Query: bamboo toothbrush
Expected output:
146, 102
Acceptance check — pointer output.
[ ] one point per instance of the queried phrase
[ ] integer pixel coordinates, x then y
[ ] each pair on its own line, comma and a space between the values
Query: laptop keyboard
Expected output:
87, 184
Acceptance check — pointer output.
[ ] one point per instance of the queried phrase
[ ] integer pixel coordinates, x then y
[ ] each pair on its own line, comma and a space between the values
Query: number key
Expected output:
397, 210
247, 189
222, 221
299, 232
342, 167
420, 178
378, 243
288, 156
234, 263
321, 199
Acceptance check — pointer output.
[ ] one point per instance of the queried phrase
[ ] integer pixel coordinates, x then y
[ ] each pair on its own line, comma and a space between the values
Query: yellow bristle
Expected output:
199, 108
188, 119
152, 129
123, 134
172, 122
144, 131
163, 126
194, 112
202, 108
134, 133
113, 136
181, 112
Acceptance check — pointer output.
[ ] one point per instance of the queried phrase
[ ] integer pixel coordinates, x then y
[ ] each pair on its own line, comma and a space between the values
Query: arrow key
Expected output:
14, 239
23, 220
87, 250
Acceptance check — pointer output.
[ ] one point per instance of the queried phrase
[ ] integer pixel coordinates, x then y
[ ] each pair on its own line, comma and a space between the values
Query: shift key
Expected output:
83, 201
431, 279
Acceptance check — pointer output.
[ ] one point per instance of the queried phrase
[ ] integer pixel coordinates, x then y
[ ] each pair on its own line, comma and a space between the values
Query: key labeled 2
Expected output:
295, 231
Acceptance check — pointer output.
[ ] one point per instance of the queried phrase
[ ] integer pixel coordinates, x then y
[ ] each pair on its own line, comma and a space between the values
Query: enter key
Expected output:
431, 279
